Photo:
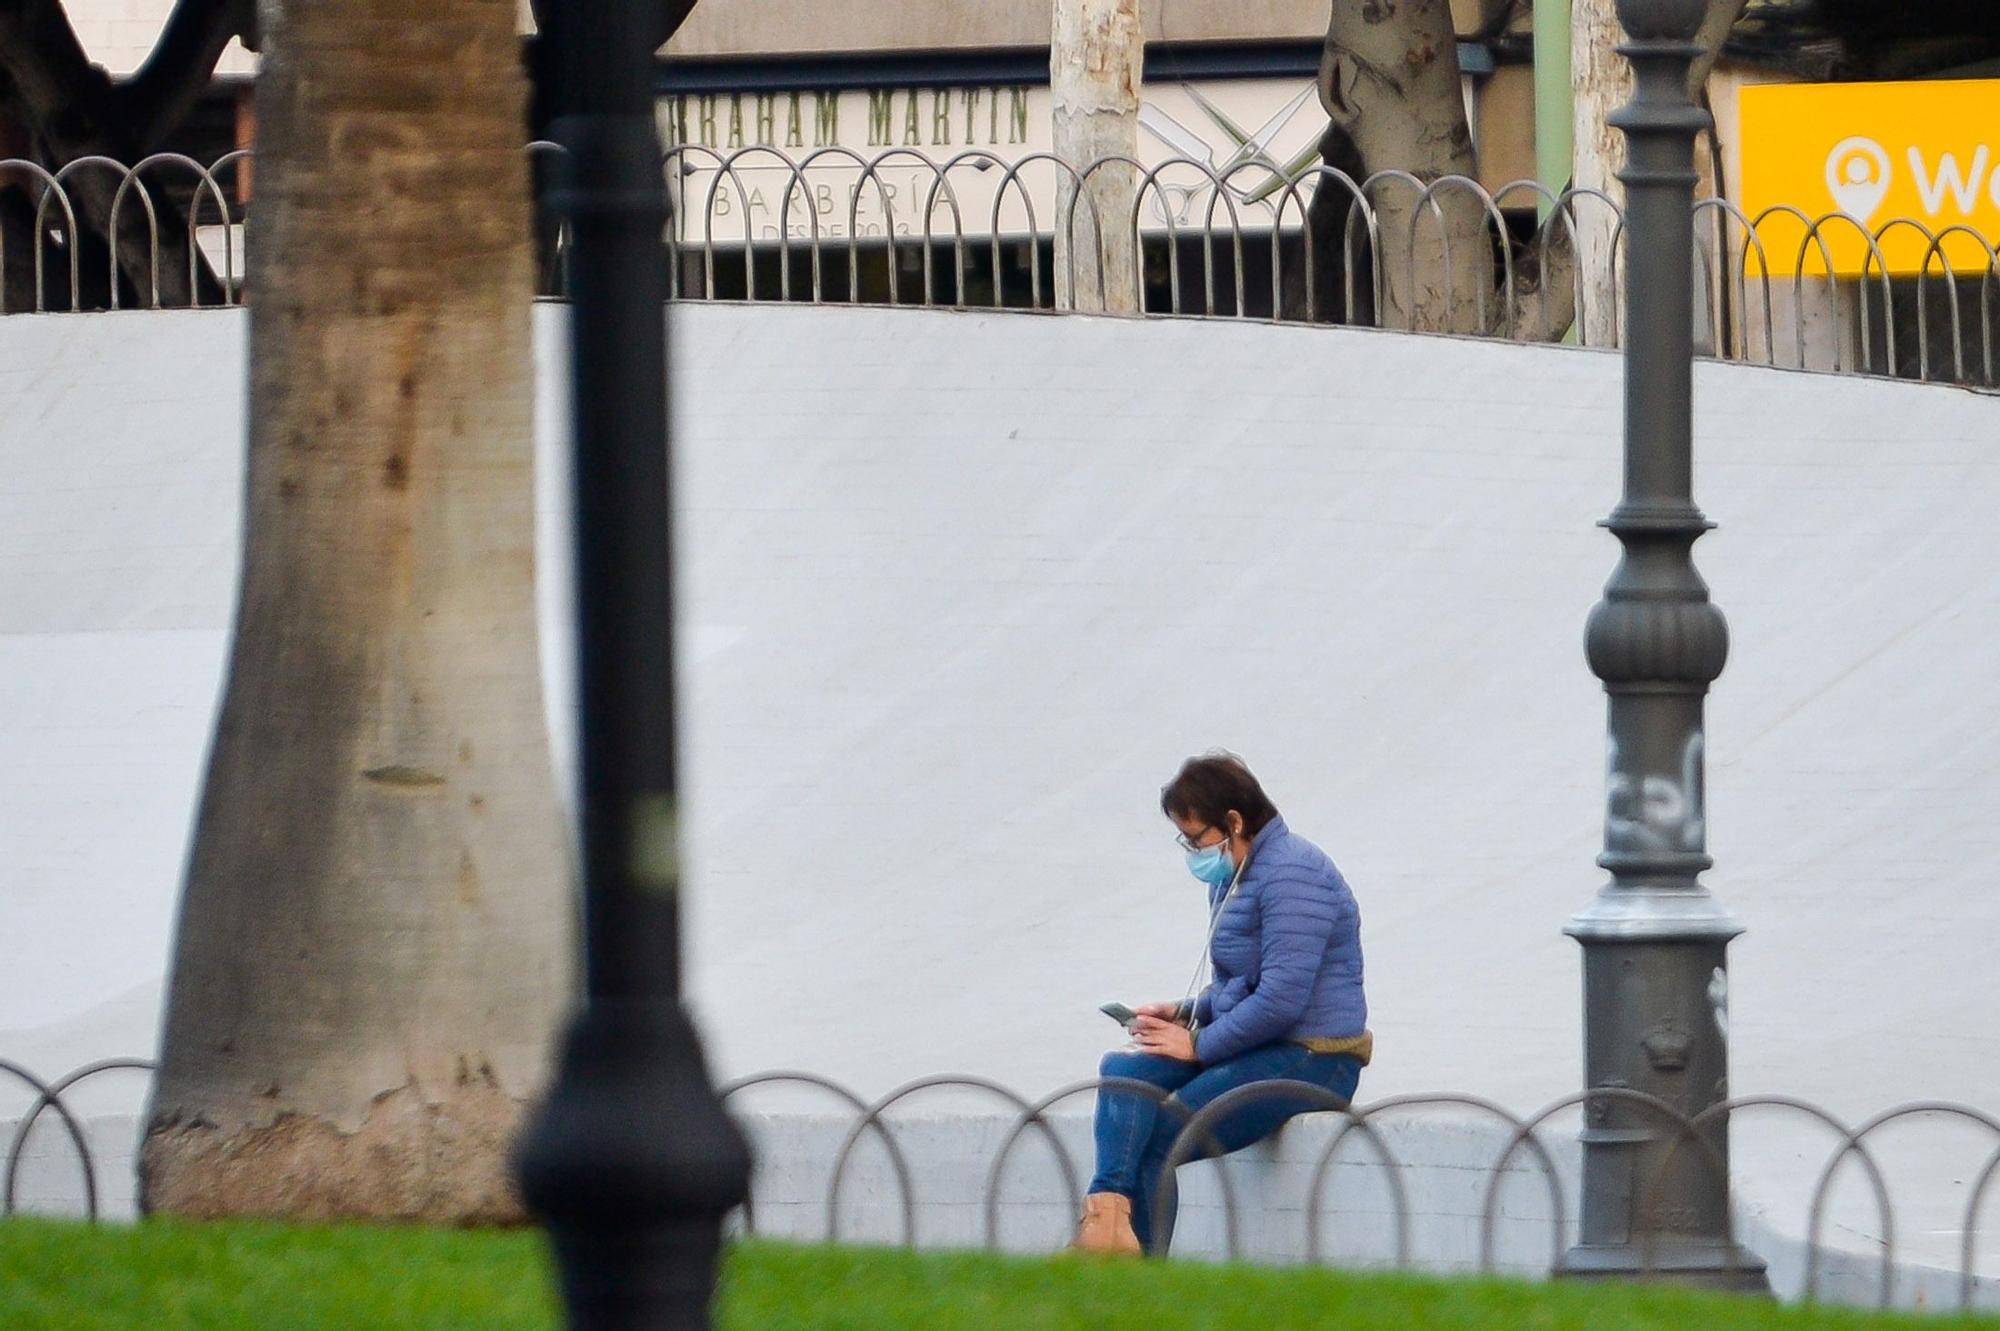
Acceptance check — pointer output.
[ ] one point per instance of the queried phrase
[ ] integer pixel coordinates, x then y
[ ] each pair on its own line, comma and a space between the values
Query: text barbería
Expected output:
891, 117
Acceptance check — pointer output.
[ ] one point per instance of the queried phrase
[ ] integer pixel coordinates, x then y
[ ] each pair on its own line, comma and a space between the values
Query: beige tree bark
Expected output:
1389, 82
1602, 81
374, 943
1096, 63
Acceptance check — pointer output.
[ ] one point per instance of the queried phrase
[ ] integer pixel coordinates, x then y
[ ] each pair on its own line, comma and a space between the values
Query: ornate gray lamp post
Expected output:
632, 1164
1654, 974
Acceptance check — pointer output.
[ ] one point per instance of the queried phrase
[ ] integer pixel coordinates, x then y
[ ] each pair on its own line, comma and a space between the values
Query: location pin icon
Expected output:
1857, 176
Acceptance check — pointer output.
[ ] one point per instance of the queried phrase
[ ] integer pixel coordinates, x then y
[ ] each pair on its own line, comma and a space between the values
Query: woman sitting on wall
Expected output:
1284, 1002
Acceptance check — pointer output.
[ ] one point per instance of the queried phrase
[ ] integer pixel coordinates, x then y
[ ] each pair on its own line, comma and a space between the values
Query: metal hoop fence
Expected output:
1197, 1139
1786, 288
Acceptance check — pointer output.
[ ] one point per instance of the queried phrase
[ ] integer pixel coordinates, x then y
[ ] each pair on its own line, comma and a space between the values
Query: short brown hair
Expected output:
1209, 786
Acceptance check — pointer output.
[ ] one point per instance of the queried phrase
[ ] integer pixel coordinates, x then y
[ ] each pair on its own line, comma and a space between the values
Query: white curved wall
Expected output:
962, 589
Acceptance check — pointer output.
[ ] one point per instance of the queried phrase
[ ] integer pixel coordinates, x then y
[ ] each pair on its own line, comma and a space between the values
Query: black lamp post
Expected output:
1655, 978
631, 1164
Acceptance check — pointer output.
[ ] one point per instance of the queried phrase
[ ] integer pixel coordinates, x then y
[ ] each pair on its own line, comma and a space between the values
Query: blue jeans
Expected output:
1134, 1133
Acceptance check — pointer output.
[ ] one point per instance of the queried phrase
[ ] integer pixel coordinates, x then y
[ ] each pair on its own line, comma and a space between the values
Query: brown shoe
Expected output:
1106, 1225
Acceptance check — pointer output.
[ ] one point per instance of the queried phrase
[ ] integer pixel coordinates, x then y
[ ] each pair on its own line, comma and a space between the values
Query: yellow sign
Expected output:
1914, 167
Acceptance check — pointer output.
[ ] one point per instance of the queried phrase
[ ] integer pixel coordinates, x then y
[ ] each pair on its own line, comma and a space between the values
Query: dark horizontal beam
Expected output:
1165, 61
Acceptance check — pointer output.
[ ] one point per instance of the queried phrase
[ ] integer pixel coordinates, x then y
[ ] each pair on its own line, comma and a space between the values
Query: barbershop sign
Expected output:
1883, 154
1253, 134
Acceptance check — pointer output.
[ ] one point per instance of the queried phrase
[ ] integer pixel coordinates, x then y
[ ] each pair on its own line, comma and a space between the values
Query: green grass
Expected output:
244, 1277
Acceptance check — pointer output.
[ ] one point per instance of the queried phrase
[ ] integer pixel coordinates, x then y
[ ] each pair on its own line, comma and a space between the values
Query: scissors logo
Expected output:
1175, 202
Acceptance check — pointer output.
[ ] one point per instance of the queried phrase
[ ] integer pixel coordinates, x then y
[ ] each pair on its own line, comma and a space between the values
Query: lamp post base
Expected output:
657, 1278
631, 1166
1686, 1263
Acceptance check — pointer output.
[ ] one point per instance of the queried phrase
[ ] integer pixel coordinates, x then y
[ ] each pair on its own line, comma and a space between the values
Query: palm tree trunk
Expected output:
374, 944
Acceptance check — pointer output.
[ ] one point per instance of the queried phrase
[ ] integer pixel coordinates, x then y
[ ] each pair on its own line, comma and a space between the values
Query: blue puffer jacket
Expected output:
1287, 952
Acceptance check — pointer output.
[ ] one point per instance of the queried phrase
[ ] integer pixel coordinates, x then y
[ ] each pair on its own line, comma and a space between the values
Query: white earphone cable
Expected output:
1201, 964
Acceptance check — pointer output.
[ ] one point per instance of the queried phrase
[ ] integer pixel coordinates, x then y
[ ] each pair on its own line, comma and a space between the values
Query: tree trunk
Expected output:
1603, 82
17, 252
17, 224
73, 109
1389, 82
1096, 57
374, 944
1340, 286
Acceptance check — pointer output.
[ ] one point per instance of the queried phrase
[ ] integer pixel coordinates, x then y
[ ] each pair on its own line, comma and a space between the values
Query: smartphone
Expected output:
1121, 1014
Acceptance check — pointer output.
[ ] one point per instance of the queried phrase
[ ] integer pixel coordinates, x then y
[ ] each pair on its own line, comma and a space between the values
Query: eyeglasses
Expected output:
1199, 842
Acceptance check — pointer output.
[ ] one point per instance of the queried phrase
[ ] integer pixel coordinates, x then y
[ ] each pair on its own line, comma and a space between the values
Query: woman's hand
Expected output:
1164, 1011
1157, 1035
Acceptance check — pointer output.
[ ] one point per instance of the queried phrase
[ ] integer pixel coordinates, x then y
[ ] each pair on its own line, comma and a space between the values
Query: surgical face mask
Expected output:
1211, 864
